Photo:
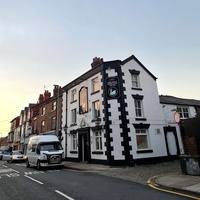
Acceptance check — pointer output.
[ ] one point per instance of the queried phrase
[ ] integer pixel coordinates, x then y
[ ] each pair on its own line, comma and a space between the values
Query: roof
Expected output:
165, 99
132, 57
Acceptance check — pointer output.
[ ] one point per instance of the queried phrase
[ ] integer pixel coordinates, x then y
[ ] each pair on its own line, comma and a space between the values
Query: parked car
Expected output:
1, 155
6, 156
17, 156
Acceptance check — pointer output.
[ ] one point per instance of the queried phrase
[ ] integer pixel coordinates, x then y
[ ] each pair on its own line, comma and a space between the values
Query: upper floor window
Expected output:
42, 126
135, 78
184, 112
34, 126
95, 85
74, 95
73, 116
43, 110
142, 139
53, 105
138, 108
135, 81
96, 109
97, 140
53, 123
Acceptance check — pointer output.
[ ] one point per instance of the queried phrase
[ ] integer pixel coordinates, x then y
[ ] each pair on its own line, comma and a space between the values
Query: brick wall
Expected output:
190, 145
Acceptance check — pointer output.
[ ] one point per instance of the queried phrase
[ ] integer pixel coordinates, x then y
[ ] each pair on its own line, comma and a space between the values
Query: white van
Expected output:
44, 151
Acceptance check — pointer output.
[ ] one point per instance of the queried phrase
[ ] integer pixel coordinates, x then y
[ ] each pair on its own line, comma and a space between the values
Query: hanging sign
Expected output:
177, 117
112, 88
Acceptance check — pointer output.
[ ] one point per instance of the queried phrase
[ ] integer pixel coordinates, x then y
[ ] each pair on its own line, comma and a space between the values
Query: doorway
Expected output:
84, 145
171, 141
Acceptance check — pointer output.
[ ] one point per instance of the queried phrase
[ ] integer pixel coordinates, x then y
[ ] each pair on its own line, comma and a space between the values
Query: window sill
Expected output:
73, 152
145, 151
73, 124
73, 101
140, 119
97, 152
136, 88
95, 92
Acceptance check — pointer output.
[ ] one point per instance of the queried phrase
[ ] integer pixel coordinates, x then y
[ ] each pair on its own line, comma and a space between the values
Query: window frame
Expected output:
53, 107
139, 111
140, 132
98, 141
73, 95
43, 110
96, 112
53, 123
73, 116
74, 142
95, 85
42, 126
183, 114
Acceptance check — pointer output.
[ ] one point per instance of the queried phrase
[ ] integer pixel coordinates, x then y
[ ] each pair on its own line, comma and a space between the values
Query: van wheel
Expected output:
27, 164
38, 165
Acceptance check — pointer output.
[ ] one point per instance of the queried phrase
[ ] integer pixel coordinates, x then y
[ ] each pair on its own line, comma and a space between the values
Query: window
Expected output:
135, 81
183, 111
74, 142
138, 108
96, 109
42, 126
53, 123
142, 139
95, 85
74, 95
53, 105
34, 126
97, 141
73, 116
43, 110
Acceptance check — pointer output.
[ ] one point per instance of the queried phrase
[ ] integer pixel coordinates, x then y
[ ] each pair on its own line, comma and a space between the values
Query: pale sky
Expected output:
47, 42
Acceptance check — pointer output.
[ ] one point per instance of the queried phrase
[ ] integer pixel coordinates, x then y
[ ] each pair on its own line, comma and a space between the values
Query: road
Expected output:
21, 183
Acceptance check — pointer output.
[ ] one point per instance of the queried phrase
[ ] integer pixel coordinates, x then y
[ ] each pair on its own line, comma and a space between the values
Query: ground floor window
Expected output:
74, 142
97, 141
142, 139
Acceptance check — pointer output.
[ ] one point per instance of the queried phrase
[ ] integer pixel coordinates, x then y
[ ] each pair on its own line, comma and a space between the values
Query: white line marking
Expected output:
15, 171
5, 166
33, 179
64, 195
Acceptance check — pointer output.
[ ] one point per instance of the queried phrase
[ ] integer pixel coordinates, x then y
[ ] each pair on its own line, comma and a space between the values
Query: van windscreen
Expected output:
50, 146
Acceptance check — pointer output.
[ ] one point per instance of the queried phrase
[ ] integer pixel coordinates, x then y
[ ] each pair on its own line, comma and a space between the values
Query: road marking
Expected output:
5, 166
64, 195
15, 171
34, 172
33, 179
169, 191
6, 170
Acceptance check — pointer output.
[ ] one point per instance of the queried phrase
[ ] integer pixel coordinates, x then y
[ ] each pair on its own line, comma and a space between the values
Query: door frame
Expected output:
84, 144
173, 130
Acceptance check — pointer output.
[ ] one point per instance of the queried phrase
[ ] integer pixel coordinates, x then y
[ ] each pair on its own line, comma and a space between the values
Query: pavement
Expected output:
166, 176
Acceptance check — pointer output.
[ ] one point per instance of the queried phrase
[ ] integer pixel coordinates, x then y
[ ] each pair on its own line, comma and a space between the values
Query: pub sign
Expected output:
112, 88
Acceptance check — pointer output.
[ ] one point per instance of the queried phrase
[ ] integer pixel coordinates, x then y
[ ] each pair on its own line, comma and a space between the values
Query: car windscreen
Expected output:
16, 153
50, 146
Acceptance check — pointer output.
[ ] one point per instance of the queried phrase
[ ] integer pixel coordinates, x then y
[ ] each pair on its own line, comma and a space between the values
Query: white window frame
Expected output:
184, 112
142, 132
98, 144
74, 143
135, 81
53, 105
43, 111
73, 116
139, 112
96, 109
95, 84
74, 95
53, 123
42, 126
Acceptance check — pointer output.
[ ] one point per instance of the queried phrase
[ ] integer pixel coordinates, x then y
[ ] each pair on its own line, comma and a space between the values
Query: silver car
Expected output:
17, 156
6, 156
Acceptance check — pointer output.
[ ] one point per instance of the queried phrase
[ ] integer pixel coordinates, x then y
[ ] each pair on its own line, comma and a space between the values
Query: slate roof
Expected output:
165, 99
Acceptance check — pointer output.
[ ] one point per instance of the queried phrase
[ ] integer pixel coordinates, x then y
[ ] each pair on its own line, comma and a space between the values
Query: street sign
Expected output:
177, 117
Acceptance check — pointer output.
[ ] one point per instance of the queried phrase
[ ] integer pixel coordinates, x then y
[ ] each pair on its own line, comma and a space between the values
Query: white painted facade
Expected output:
125, 137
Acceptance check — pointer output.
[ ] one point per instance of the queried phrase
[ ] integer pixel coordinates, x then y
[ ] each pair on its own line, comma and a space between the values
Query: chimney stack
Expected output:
47, 95
57, 90
41, 98
96, 62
